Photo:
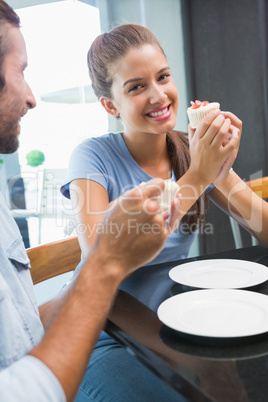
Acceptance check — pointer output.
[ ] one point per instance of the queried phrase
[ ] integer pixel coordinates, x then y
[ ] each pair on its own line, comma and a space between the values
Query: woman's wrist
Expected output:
227, 183
194, 180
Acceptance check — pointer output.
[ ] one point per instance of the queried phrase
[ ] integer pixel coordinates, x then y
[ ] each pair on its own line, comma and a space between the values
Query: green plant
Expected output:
35, 158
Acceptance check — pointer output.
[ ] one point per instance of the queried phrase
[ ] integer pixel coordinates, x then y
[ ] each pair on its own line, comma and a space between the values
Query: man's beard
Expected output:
9, 141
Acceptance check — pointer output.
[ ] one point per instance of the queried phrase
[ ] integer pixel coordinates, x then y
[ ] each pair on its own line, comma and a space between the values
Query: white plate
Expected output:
219, 274
224, 313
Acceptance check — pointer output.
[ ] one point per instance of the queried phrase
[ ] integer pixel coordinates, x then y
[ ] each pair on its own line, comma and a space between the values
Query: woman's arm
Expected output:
235, 198
89, 201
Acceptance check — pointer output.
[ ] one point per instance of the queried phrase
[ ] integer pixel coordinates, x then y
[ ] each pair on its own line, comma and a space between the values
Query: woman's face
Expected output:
144, 92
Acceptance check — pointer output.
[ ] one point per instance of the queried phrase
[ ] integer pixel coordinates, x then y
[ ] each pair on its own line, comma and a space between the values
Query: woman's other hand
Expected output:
212, 148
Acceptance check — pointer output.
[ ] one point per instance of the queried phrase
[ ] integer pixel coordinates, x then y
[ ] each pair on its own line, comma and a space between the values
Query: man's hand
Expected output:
133, 231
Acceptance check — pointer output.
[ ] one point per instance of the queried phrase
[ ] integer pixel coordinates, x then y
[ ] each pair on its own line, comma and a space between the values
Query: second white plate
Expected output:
224, 313
219, 274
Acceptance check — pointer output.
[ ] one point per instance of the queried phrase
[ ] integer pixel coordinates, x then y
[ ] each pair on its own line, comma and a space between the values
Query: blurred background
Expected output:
217, 51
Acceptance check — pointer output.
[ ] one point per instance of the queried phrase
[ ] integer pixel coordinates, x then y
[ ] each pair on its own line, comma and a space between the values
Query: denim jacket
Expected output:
22, 377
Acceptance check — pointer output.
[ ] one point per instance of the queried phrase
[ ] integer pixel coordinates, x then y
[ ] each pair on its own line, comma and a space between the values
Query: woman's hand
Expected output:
235, 130
235, 123
214, 146
228, 163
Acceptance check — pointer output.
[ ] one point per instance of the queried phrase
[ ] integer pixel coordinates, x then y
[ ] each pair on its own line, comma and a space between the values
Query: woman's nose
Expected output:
157, 95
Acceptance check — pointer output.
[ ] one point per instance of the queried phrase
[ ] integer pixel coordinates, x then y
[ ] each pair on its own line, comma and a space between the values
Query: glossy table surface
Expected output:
197, 371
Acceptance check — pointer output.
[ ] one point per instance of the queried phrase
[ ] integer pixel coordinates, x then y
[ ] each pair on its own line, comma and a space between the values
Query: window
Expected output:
58, 36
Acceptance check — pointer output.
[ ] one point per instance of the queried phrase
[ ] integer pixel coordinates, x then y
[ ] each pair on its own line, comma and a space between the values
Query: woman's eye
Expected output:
164, 76
134, 88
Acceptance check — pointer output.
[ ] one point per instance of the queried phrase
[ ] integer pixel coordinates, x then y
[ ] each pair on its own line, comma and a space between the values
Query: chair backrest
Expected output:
259, 186
53, 259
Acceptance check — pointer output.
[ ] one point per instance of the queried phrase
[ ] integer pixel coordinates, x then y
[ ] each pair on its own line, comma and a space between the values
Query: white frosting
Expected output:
168, 194
196, 115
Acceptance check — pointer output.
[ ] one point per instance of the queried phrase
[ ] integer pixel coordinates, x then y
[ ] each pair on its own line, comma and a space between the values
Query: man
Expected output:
49, 367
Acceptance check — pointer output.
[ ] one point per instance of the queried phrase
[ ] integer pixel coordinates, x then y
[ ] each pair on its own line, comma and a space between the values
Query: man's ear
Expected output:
109, 106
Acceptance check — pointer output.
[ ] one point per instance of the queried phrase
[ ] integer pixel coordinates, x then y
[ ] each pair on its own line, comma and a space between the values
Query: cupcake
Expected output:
168, 194
198, 110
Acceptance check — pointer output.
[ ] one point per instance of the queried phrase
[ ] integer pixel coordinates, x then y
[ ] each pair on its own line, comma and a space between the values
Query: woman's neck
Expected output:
150, 153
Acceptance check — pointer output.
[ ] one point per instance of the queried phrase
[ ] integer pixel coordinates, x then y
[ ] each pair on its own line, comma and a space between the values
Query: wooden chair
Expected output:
260, 187
53, 259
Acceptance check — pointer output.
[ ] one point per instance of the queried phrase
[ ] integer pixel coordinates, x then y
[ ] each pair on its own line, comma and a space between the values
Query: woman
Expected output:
131, 77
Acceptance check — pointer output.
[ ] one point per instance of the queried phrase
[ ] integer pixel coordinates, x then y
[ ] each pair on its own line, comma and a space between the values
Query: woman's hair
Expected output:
106, 50
109, 47
7, 15
178, 150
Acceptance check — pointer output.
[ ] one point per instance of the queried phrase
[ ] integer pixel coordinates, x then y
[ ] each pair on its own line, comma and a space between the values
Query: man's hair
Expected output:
7, 16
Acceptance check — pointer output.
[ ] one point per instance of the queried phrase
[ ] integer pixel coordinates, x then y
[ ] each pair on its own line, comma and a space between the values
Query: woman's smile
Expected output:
160, 113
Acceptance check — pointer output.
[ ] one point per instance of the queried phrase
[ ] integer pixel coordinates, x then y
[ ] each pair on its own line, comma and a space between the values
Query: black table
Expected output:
224, 373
